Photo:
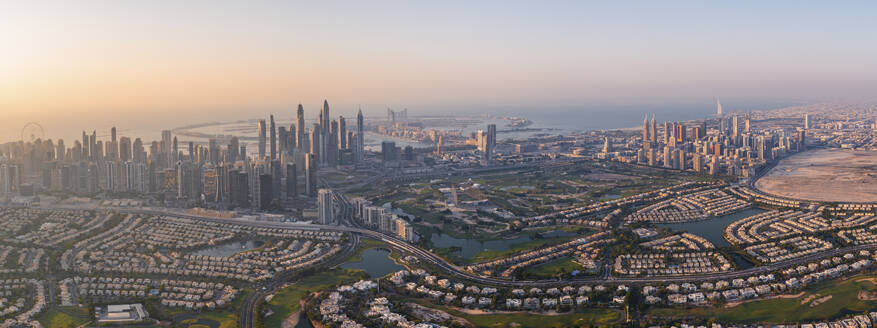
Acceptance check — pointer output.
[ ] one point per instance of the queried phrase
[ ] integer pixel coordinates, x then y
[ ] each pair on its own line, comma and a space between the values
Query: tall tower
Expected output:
262, 137
646, 128
326, 208
806, 121
273, 134
360, 137
490, 144
300, 128
718, 108
653, 130
342, 133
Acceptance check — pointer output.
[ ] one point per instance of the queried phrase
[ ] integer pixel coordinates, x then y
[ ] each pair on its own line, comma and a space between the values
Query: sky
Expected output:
162, 64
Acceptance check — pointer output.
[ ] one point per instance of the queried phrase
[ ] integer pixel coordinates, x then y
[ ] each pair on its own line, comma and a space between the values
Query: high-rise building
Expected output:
490, 144
239, 189
326, 207
360, 137
315, 142
310, 175
300, 128
653, 130
262, 137
265, 191
273, 138
124, 149
388, 151
607, 146
718, 108
806, 121
166, 143
342, 133
291, 181
646, 128
233, 150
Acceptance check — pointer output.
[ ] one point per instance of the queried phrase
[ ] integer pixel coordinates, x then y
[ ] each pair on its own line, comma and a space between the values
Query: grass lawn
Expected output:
581, 318
550, 269
844, 299
286, 301
55, 318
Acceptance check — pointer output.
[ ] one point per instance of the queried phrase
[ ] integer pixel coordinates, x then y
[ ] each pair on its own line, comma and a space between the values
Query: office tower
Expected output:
300, 128
325, 118
213, 150
607, 147
360, 137
718, 108
239, 188
490, 144
747, 124
273, 139
697, 162
166, 141
176, 150
291, 181
653, 130
93, 148
265, 191
388, 151
310, 175
342, 133
59, 150
326, 208
806, 121
315, 142
242, 153
124, 149
332, 144
276, 179
85, 149
668, 131
233, 150
646, 128
113, 146
262, 136
282, 145
138, 152
291, 139
735, 127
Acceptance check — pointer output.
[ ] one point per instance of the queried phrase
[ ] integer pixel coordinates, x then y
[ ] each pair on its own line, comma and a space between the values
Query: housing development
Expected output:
708, 222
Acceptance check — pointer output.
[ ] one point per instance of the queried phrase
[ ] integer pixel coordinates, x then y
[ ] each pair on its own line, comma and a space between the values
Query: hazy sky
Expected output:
170, 63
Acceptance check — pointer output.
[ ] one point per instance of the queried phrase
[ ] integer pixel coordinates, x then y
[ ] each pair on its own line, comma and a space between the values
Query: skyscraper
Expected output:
310, 175
490, 144
360, 137
718, 108
262, 138
300, 128
291, 181
326, 208
806, 121
273, 139
653, 130
646, 128
342, 133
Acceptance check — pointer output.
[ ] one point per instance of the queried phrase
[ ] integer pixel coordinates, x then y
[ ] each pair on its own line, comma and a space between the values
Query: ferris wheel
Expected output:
32, 131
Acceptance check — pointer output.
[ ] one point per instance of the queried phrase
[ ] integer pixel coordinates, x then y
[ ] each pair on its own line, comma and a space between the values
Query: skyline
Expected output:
108, 63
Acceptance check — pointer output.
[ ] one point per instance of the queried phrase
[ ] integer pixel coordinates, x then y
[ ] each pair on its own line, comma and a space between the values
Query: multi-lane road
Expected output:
453, 270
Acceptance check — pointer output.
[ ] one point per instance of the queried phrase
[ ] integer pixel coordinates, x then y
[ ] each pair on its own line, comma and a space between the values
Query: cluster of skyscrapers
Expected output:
734, 149
211, 173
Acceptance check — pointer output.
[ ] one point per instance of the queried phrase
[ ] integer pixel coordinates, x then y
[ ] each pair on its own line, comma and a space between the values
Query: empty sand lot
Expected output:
834, 175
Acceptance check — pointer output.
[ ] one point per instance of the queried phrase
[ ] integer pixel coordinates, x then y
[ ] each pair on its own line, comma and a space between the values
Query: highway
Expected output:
460, 273
249, 307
